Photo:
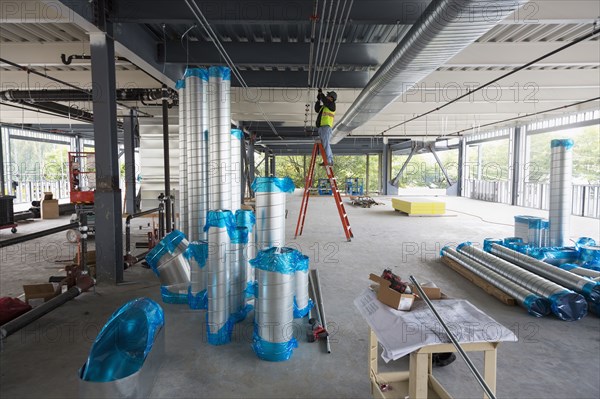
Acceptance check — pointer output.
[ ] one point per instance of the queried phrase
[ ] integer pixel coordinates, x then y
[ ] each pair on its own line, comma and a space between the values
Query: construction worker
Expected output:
326, 112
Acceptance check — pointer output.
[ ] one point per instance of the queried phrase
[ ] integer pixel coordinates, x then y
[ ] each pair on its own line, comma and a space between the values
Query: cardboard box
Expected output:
49, 209
36, 294
399, 301
48, 195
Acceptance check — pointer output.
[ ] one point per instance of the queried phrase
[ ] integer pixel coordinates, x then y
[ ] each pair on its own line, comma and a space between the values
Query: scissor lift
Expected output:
82, 181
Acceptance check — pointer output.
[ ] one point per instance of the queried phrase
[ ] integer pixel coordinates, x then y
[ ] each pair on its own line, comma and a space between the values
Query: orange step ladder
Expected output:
318, 148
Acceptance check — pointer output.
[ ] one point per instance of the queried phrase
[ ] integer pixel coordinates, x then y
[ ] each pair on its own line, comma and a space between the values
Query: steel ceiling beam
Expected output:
232, 12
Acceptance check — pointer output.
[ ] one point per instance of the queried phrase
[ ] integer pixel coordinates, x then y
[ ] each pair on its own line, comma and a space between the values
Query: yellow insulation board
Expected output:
419, 206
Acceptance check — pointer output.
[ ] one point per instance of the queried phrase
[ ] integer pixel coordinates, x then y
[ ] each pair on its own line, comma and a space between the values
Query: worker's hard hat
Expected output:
332, 94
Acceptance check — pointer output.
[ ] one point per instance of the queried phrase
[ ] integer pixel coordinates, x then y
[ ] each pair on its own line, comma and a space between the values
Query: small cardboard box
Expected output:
48, 195
49, 209
395, 299
36, 294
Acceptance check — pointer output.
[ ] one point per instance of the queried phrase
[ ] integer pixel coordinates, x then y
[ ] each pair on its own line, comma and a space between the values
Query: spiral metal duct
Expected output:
589, 289
237, 264
197, 254
247, 219
270, 210
274, 304
581, 271
218, 225
534, 304
444, 29
219, 138
565, 304
302, 303
196, 95
183, 186
561, 173
236, 169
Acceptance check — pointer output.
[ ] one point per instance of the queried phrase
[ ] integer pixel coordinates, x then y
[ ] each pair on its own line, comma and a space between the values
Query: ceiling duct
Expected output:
82, 95
444, 30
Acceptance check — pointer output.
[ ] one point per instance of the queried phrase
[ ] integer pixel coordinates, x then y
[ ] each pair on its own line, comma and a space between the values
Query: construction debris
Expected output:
363, 201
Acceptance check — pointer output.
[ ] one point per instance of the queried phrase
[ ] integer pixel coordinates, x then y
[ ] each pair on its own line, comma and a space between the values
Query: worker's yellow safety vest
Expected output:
327, 116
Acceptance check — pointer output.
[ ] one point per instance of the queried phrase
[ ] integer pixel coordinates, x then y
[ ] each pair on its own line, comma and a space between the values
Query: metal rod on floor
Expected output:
459, 348
43, 233
317, 286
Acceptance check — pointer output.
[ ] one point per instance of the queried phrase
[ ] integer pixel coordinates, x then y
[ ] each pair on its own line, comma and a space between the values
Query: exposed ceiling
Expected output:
269, 41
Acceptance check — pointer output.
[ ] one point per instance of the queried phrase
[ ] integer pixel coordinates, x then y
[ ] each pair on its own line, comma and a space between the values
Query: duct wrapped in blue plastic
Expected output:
302, 303
124, 342
555, 255
222, 336
197, 253
237, 133
273, 185
589, 256
222, 72
273, 351
245, 218
221, 219
154, 256
277, 259
173, 243
487, 244
180, 84
201, 73
584, 242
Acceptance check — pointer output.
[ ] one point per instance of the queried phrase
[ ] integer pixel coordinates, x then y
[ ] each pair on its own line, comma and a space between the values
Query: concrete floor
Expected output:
553, 359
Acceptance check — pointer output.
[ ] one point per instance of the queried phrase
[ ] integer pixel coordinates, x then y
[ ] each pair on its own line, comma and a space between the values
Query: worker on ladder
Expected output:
326, 112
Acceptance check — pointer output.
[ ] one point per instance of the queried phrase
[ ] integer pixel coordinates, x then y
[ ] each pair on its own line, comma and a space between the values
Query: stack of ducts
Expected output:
237, 264
219, 225
246, 218
274, 304
197, 253
169, 262
196, 84
561, 171
183, 187
270, 210
236, 169
302, 303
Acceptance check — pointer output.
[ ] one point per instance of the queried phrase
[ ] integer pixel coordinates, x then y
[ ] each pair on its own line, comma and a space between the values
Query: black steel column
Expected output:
516, 166
462, 157
109, 228
130, 133
272, 165
367, 177
2, 192
251, 165
386, 163
167, 164
266, 161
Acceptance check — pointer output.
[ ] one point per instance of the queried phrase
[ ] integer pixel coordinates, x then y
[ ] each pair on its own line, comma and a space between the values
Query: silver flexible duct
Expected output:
219, 138
274, 304
444, 29
198, 272
561, 173
236, 169
183, 186
589, 289
237, 264
301, 285
196, 86
565, 304
270, 219
581, 271
175, 274
218, 279
534, 304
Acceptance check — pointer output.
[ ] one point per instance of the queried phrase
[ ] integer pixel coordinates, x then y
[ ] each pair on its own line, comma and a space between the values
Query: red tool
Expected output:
316, 332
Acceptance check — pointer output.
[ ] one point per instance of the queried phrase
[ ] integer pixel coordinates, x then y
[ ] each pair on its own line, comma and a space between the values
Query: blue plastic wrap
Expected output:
201, 73
124, 342
172, 240
175, 298
273, 185
487, 243
591, 291
251, 289
463, 244
567, 143
198, 301
568, 305
584, 242
273, 351
590, 254
277, 259
221, 337
591, 265
300, 313
537, 306
237, 133
245, 218
568, 266
220, 219
556, 255
180, 84
154, 256
241, 315
239, 235
199, 251
222, 72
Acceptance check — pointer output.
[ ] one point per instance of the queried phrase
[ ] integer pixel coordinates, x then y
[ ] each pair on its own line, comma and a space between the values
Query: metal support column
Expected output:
2, 182
108, 210
518, 165
399, 174
130, 128
479, 161
266, 160
167, 164
272, 165
462, 162
367, 177
439, 162
251, 165
243, 168
386, 166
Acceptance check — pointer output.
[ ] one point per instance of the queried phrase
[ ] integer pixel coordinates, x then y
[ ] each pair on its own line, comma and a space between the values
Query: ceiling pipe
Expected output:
78, 95
444, 29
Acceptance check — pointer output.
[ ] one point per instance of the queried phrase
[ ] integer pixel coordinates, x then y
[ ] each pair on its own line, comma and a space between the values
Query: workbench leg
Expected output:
418, 375
489, 372
373, 346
